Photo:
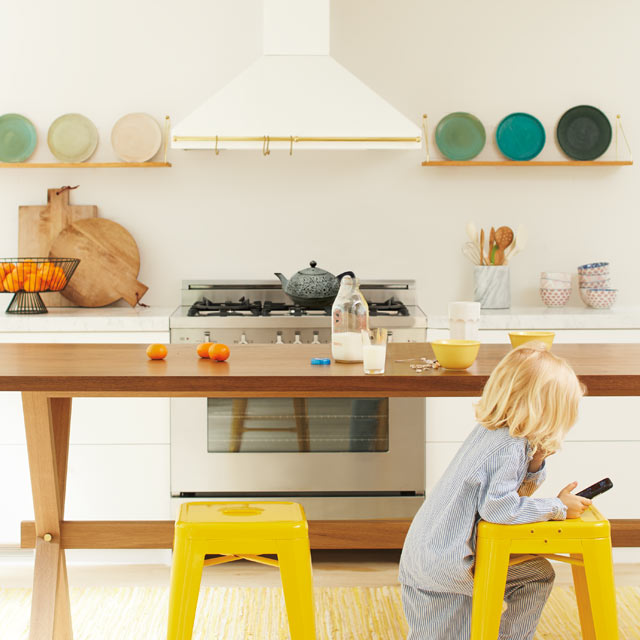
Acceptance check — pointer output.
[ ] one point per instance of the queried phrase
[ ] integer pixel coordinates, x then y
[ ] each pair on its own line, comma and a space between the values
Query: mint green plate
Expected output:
18, 138
72, 138
460, 136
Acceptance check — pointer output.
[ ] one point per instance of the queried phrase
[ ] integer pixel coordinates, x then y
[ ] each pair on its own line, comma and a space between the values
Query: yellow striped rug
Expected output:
344, 613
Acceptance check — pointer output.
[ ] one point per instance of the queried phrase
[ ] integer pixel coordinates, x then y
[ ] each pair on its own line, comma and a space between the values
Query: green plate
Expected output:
460, 136
584, 133
17, 138
72, 138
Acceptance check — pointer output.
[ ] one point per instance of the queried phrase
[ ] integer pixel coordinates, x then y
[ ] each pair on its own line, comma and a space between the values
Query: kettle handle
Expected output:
346, 273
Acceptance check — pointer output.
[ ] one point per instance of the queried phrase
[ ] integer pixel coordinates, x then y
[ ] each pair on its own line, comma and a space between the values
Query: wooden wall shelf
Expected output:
527, 163
81, 165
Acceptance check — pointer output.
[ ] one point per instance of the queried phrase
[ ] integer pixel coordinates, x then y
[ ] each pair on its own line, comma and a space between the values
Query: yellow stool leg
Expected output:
297, 583
492, 564
186, 574
582, 597
598, 567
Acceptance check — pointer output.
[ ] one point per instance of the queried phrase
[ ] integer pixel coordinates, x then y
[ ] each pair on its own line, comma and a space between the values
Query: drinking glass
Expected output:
374, 350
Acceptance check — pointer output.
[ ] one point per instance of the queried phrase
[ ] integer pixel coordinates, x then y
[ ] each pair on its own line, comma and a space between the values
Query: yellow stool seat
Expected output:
586, 541
235, 531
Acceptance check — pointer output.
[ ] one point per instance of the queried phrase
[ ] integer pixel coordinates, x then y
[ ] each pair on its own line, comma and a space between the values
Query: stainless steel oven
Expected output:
342, 458
370, 450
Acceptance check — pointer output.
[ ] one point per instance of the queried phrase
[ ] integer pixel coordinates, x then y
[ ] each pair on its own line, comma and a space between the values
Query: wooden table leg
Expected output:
47, 422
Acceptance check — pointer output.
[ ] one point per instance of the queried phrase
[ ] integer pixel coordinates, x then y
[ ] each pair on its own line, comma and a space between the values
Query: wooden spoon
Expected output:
492, 242
481, 246
503, 237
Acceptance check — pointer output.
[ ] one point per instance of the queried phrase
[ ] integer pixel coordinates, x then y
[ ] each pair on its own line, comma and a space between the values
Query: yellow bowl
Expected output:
520, 337
455, 354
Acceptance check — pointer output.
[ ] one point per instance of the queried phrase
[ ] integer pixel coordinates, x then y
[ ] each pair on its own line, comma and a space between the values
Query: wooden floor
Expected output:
330, 568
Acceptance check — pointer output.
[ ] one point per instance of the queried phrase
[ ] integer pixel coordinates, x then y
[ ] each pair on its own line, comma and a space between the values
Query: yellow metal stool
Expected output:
587, 543
235, 531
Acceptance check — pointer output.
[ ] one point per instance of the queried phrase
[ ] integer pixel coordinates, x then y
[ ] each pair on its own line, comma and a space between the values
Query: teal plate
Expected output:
460, 136
18, 138
520, 136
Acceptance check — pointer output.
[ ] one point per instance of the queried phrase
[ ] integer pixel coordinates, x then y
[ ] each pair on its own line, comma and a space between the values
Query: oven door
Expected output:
296, 446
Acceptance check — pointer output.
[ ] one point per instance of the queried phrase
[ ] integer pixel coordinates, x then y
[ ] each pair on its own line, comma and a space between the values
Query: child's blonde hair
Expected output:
533, 393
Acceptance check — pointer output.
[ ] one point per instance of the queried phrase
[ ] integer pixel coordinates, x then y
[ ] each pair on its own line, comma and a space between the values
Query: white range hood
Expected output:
296, 96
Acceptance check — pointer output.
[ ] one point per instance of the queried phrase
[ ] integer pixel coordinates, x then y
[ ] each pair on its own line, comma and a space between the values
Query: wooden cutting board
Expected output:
109, 262
39, 226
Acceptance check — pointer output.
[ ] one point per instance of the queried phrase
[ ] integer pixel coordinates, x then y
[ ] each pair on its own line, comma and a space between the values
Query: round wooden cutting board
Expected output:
109, 262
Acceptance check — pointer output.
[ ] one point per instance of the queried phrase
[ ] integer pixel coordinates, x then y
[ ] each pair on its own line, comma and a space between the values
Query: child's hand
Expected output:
538, 457
576, 505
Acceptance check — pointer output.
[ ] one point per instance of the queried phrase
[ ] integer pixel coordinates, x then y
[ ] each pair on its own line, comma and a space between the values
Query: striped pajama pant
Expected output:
435, 615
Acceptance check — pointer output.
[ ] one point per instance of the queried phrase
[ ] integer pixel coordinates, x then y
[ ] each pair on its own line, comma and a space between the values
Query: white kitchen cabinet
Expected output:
605, 441
118, 457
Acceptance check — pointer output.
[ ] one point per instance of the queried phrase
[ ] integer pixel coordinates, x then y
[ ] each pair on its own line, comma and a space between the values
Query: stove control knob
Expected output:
297, 340
243, 338
316, 338
279, 338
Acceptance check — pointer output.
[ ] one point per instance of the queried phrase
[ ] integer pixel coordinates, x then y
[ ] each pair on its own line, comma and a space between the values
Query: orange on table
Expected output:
219, 352
203, 349
157, 351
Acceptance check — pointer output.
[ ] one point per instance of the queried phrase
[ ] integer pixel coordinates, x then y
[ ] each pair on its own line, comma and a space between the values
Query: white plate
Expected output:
136, 137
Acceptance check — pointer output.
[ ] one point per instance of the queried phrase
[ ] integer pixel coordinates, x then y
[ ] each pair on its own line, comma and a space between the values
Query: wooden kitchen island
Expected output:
50, 375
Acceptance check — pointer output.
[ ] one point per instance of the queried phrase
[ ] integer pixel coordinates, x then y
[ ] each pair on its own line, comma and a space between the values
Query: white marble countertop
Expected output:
80, 319
546, 318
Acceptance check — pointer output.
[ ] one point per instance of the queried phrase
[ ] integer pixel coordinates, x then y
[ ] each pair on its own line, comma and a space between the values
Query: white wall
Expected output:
379, 213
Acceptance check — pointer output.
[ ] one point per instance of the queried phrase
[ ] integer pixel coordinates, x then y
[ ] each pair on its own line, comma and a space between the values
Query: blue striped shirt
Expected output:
487, 479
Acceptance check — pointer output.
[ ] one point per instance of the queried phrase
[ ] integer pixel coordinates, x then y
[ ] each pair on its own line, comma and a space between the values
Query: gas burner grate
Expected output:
245, 307
390, 307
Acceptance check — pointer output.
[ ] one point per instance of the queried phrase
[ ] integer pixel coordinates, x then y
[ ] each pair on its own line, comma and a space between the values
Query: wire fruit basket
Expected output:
27, 278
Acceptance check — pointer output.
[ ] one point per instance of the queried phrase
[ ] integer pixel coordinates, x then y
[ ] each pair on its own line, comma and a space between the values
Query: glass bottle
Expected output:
349, 316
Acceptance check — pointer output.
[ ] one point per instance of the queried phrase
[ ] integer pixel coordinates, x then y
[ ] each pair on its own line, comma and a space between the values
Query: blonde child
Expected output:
528, 404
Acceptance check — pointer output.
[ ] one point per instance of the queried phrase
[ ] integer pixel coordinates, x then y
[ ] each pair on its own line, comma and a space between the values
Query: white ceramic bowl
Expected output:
600, 298
556, 275
548, 283
555, 297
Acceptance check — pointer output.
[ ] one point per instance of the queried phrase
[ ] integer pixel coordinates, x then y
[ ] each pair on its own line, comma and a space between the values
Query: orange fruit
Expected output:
219, 352
58, 279
11, 282
6, 268
33, 282
203, 349
46, 273
24, 270
157, 351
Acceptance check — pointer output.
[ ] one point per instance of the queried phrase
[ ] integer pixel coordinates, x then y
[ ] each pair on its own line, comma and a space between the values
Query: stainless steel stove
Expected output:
260, 312
341, 458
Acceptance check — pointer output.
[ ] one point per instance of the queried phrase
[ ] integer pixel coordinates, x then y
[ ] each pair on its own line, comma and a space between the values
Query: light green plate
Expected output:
17, 138
460, 136
72, 138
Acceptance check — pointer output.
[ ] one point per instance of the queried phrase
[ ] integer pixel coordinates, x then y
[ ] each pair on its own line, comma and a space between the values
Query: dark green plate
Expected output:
17, 138
460, 136
520, 136
584, 133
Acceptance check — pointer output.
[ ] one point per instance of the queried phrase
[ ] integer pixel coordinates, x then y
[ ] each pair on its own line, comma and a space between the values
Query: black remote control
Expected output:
596, 489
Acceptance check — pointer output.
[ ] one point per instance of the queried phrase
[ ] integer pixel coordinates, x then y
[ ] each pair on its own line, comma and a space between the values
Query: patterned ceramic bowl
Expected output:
595, 282
594, 269
555, 297
600, 298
